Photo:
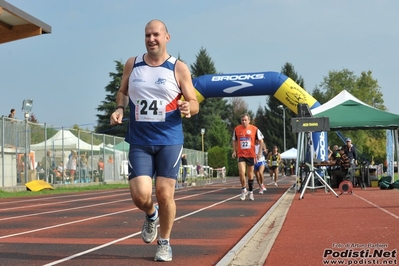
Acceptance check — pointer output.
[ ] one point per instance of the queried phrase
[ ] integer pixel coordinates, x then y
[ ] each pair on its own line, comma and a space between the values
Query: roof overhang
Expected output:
16, 24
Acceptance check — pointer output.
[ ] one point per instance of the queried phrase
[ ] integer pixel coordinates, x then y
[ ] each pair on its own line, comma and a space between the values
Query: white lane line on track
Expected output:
59, 202
54, 197
96, 217
378, 207
63, 210
135, 234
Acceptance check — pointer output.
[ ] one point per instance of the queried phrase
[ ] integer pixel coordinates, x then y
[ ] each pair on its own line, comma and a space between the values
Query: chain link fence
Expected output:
57, 155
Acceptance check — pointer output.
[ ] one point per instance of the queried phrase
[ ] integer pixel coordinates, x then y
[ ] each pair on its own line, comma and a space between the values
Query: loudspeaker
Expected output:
346, 187
303, 110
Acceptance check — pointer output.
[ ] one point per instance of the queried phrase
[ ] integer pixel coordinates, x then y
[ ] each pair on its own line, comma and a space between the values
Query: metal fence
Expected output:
57, 155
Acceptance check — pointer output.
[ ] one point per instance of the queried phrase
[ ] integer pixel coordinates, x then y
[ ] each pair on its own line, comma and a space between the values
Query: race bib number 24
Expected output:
150, 110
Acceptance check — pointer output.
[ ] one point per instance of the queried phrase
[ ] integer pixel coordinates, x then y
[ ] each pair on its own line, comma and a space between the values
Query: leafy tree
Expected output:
217, 135
370, 143
108, 106
365, 87
238, 107
32, 118
211, 110
217, 157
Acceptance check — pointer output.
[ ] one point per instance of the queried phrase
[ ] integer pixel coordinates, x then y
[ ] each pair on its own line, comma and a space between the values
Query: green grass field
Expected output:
73, 189
61, 190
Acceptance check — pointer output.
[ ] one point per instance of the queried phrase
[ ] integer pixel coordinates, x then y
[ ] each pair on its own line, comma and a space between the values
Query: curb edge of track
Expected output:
267, 236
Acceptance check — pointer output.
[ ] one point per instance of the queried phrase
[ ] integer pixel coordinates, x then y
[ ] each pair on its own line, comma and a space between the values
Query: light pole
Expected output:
282, 107
26, 107
202, 138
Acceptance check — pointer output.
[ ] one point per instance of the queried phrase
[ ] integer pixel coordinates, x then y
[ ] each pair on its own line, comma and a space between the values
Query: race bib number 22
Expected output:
245, 143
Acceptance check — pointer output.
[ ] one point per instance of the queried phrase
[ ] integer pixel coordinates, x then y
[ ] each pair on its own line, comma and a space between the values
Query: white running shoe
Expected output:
164, 252
243, 194
260, 190
251, 195
149, 231
264, 188
275, 183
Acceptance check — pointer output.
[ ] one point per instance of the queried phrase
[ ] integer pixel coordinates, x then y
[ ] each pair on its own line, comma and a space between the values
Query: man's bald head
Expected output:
157, 22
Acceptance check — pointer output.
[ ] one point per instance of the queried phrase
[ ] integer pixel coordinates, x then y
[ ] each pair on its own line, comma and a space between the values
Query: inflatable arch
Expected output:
261, 83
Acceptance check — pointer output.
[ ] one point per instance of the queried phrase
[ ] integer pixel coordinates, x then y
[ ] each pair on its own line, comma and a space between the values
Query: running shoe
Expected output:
243, 194
275, 183
251, 195
149, 231
264, 188
260, 190
164, 252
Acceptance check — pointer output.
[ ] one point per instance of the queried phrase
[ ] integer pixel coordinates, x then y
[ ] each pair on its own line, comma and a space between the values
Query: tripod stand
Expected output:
313, 173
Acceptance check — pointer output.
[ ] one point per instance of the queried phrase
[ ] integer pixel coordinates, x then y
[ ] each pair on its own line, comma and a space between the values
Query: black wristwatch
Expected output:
120, 106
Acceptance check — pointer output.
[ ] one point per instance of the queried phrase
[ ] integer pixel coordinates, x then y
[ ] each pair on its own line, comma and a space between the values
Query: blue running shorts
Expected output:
259, 164
159, 160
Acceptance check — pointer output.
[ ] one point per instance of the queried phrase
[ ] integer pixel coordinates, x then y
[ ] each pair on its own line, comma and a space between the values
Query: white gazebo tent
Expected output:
64, 139
61, 144
289, 154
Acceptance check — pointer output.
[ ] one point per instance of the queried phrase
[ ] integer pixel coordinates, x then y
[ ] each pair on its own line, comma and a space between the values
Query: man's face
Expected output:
244, 121
156, 38
348, 143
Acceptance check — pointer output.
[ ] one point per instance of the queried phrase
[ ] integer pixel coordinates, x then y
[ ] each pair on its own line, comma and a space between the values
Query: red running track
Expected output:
357, 229
103, 227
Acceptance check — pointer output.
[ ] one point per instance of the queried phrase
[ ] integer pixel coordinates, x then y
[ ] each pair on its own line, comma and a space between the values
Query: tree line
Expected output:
219, 116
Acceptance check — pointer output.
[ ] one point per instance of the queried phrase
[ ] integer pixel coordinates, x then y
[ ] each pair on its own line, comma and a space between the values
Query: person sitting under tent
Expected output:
340, 174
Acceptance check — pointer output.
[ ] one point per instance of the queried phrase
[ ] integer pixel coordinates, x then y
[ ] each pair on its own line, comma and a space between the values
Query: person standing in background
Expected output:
48, 162
350, 151
12, 113
100, 168
198, 168
71, 165
184, 165
110, 159
83, 163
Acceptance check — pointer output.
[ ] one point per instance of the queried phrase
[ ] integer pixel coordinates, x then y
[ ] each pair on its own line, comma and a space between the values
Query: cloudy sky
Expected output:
65, 72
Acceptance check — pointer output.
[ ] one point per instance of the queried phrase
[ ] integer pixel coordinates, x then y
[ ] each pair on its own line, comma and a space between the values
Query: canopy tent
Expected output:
64, 139
122, 146
289, 154
346, 112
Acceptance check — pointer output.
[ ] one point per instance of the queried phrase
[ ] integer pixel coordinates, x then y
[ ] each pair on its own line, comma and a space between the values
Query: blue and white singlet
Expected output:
153, 94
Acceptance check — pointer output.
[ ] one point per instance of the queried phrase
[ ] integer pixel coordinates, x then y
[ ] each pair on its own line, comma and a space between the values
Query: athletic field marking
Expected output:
135, 234
55, 197
95, 217
378, 207
58, 202
63, 210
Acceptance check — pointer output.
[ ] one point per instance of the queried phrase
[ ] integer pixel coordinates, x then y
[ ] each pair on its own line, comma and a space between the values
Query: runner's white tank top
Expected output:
153, 95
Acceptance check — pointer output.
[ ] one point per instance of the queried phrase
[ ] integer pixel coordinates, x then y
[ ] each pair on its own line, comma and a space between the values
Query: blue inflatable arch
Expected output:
261, 83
